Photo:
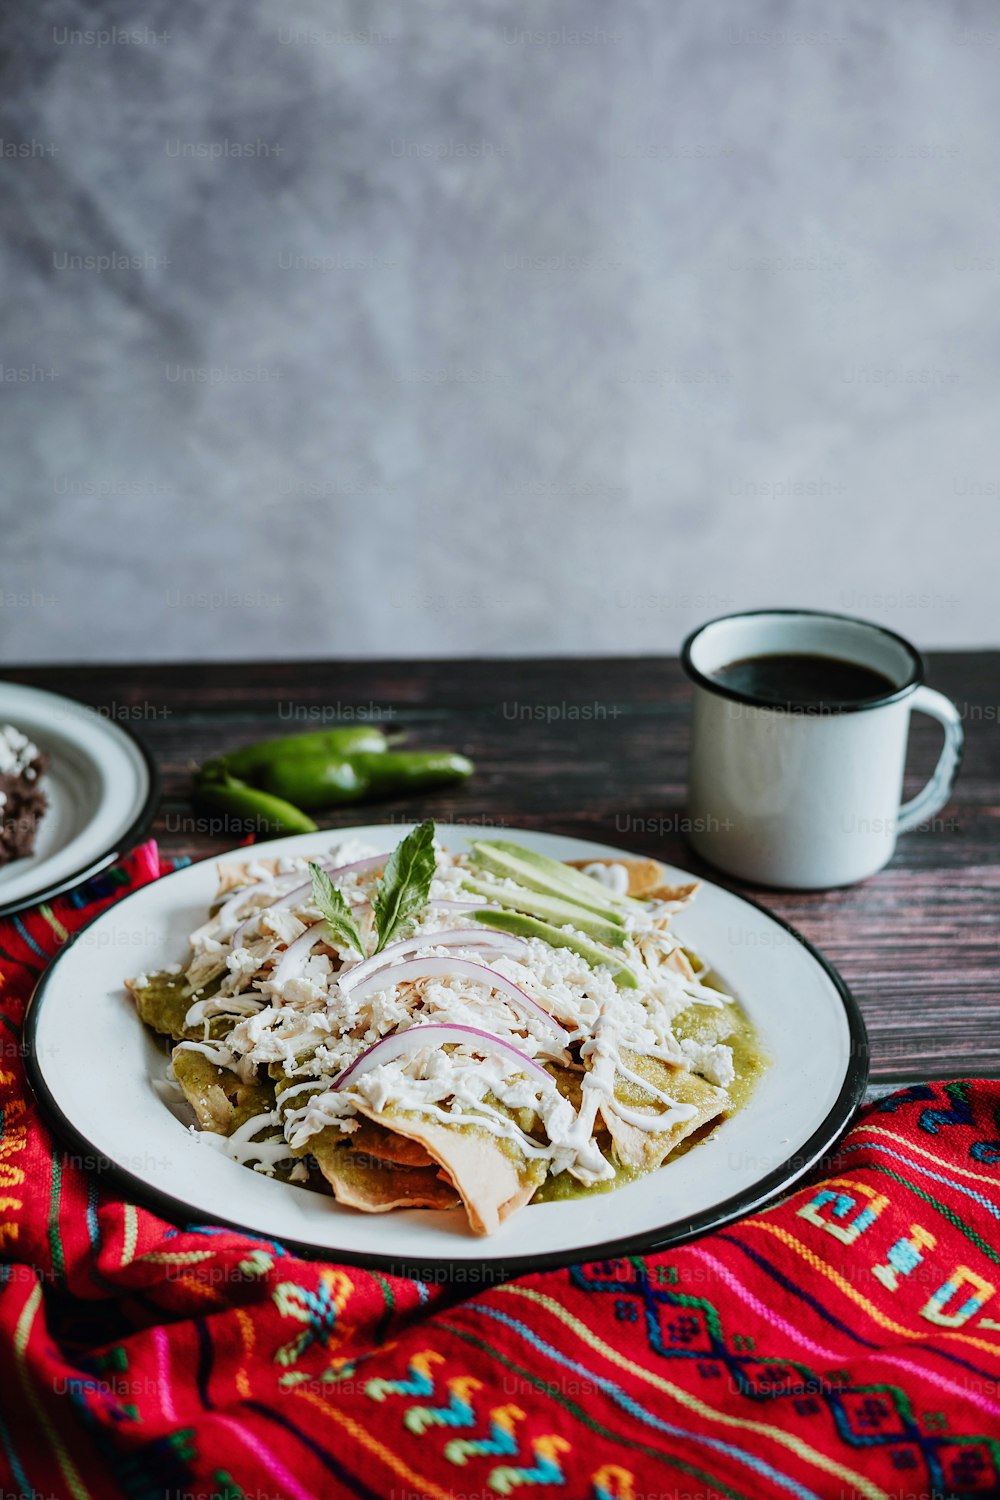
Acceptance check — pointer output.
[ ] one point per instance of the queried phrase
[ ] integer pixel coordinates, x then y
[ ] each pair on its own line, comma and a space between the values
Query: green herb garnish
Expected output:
334, 910
405, 884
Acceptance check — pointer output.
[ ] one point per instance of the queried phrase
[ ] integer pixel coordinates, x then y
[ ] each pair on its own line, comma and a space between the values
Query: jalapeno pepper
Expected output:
317, 781
250, 762
254, 810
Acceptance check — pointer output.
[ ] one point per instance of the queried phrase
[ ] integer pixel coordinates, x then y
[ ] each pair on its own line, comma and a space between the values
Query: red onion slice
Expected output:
236, 940
359, 866
434, 1034
288, 897
238, 936
374, 862
462, 968
455, 937
296, 953
233, 903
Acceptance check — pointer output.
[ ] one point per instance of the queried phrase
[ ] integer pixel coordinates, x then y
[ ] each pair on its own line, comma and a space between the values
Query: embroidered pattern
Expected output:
318, 1310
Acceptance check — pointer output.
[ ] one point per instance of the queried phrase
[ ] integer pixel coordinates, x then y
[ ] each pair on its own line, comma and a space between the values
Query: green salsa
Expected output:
564, 1186
731, 1025
698, 1023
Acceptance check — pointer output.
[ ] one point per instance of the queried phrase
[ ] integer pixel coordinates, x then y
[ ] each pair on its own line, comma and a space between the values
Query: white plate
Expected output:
102, 791
96, 1068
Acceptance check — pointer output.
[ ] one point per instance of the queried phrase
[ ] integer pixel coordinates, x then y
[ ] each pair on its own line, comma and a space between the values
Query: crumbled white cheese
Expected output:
713, 1061
16, 751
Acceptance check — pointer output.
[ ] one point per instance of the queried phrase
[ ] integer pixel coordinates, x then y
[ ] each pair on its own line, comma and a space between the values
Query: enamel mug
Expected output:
807, 796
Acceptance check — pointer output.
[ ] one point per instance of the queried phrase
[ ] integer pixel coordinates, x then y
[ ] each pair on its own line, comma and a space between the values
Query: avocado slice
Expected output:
576, 880
572, 883
551, 909
560, 937
549, 877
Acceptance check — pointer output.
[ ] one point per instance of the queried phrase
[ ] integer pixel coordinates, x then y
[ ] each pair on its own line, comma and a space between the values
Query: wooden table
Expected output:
598, 748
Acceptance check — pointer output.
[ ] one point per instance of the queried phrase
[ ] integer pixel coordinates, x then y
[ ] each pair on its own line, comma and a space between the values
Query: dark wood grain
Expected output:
598, 748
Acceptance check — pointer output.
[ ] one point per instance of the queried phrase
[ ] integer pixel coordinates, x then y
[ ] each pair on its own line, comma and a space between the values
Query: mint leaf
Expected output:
405, 884
334, 910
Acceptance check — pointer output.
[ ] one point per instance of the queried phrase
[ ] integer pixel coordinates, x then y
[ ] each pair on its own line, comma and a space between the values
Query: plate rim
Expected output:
490, 1271
129, 836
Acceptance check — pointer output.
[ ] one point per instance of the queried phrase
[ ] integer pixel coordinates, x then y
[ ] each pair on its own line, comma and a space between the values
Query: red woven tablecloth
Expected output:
845, 1343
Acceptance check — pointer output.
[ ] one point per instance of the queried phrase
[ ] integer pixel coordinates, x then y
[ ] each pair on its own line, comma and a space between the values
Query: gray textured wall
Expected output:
558, 340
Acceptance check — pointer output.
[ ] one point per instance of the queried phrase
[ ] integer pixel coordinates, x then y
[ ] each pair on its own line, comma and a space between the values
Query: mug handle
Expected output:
937, 791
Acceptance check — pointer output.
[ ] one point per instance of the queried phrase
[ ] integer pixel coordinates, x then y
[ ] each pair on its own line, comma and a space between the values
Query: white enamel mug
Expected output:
807, 796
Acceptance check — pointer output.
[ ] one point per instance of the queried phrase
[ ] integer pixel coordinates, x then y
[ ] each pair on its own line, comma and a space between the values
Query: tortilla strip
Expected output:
679, 961
375, 1187
647, 1149
232, 874
491, 1183
674, 895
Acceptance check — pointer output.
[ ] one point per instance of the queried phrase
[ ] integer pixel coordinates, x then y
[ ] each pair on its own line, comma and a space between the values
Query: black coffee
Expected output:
795, 678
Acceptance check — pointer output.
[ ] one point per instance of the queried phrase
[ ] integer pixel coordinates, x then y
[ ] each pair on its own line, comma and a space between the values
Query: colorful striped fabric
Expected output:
845, 1343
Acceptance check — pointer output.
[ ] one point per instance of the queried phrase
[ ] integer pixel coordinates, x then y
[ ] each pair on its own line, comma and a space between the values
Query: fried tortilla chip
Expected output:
232, 874
386, 1145
679, 961
674, 895
646, 1149
361, 1180
644, 875
164, 999
492, 1178
645, 880
219, 1098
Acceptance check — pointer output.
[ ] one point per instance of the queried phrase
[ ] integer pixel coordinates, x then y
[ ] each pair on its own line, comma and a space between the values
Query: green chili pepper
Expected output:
252, 761
317, 781
255, 811
412, 770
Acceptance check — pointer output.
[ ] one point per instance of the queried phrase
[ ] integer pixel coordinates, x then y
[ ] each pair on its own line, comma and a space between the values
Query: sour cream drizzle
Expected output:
243, 1148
